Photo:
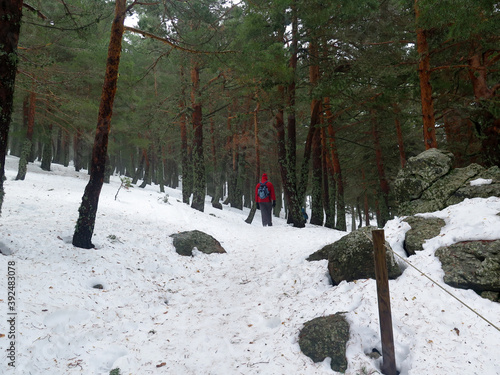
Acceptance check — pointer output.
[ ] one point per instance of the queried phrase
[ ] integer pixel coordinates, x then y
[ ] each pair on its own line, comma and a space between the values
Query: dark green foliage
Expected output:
368, 70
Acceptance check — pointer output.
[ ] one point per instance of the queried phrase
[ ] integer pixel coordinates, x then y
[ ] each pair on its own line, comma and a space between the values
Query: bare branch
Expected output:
140, 3
39, 14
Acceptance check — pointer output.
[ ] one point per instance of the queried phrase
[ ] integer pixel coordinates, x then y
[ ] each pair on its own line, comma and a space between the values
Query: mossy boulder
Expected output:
186, 242
472, 265
420, 172
429, 183
324, 337
351, 257
422, 229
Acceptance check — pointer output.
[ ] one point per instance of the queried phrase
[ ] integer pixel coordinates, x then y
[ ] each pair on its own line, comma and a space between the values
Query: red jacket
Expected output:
272, 195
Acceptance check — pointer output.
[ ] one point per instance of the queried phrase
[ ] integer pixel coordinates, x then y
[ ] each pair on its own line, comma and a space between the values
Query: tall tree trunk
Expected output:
314, 75
27, 151
358, 209
365, 198
251, 214
291, 97
10, 14
78, 149
479, 66
216, 169
234, 196
88, 209
341, 223
187, 172
199, 183
424, 75
147, 168
139, 171
328, 183
399, 132
47, 150
317, 215
384, 185
289, 181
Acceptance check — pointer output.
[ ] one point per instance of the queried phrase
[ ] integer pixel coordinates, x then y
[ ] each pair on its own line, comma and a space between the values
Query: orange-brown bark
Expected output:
424, 75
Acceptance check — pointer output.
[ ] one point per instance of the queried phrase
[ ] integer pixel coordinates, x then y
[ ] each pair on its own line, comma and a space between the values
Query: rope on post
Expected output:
440, 286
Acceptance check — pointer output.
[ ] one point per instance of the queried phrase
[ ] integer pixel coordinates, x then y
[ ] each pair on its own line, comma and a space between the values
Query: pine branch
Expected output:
172, 44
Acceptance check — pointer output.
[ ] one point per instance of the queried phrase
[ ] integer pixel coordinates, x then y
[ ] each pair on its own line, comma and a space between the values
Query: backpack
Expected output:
263, 191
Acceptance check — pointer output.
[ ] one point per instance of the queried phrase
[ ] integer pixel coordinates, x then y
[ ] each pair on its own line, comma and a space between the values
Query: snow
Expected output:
481, 181
234, 313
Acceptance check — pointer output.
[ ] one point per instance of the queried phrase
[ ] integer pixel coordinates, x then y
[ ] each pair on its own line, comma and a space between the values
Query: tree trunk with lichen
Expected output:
10, 14
27, 150
90, 200
199, 181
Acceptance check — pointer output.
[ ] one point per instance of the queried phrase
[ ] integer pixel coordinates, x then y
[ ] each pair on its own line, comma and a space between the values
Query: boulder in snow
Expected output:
422, 229
185, 242
429, 183
472, 265
351, 257
326, 336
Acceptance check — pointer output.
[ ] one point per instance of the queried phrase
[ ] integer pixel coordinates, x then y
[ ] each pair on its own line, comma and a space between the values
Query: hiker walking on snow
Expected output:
265, 199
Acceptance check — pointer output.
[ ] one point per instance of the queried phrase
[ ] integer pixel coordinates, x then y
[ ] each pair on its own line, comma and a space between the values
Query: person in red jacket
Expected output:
265, 199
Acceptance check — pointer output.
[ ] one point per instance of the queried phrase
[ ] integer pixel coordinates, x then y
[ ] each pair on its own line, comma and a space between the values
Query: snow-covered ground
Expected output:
234, 313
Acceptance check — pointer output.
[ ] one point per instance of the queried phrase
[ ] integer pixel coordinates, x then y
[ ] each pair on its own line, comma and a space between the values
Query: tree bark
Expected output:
251, 214
317, 214
147, 168
199, 181
187, 172
332, 143
479, 64
424, 75
88, 209
289, 181
384, 185
27, 150
399, 132
365, 198
10, 14
328, 183
216, 170
47, 150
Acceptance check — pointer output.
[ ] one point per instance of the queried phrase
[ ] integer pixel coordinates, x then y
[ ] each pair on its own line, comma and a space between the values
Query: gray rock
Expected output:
420, 172
444, 187
351, 258
418, 206
472, 265
428, 183
492, 296
326, 337
4, 249
320, 254
185, 242
422, 229
478, 191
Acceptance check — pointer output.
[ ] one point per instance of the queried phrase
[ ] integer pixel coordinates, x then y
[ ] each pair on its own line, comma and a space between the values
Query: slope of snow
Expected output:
234, 313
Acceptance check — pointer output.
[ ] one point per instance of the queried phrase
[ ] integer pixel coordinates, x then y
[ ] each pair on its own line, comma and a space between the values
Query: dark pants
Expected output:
266, 209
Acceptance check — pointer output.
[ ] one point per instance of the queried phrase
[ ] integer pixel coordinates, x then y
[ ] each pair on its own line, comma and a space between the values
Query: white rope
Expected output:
440, 286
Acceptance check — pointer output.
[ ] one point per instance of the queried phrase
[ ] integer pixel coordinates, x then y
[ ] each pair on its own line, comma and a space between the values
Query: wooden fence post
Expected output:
384, 303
